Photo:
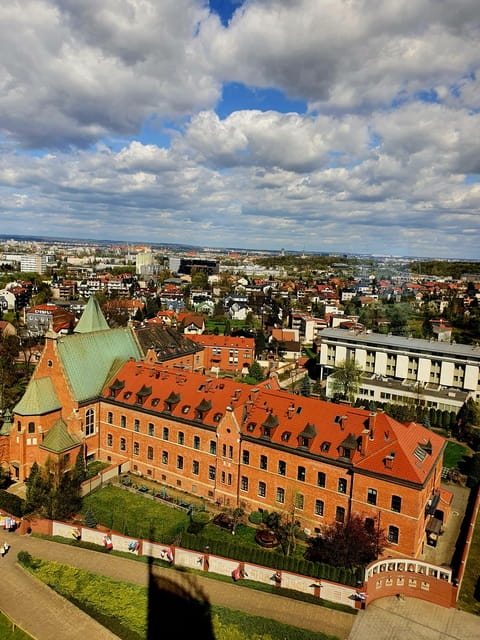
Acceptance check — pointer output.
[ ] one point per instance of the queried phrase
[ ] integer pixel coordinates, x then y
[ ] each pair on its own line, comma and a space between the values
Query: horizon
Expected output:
311, 127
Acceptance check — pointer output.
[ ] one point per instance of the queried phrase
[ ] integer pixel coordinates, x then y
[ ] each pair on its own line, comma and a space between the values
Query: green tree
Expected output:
345, 379
37, 490
80, 466
305, 386
255, 372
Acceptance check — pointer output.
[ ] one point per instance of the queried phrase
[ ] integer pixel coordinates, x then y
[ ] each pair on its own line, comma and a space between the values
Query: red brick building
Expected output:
226, 353
233, 444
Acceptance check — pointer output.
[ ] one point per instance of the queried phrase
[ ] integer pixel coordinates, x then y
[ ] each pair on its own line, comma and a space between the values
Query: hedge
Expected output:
244, 553
11, 503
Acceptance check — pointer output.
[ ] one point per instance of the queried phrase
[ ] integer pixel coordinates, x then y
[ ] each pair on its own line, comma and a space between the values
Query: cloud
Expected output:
110, 121
76, 71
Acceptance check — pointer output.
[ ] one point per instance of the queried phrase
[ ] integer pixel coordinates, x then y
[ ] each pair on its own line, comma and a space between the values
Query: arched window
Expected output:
31, 427
90, 422
109, 440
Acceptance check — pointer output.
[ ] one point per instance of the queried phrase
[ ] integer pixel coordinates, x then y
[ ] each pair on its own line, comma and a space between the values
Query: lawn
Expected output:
122, 607
454, 454
9, 631
134, 515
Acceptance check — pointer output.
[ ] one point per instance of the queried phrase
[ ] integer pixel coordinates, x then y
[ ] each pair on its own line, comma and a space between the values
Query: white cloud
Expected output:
386, 159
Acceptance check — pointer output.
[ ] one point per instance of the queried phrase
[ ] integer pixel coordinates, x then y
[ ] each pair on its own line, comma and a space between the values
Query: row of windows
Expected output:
395, 504
227, 451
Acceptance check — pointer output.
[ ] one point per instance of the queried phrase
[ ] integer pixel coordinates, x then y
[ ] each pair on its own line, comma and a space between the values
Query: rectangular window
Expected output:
195, 467
396, 504
263, 462
280, 495
282, 467
301, 474
342, 485
319, 505
246, 457
340, 514
165, 433
211, 473
372, 496
136, 425
109, 440
136, 449
224, 450
299, 501
164, 457
150, 453
262, 489
123, 444
321, 479
230, 452
244, 483
179, 462
181, 438
123, 421
196, 442
151, 429
393, 534
110, 417
213, 447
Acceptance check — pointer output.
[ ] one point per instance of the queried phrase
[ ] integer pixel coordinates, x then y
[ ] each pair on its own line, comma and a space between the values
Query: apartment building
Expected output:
226, 353
440, 374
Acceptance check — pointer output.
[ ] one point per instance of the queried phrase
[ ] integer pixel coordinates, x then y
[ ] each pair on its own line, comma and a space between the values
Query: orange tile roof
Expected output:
411, 449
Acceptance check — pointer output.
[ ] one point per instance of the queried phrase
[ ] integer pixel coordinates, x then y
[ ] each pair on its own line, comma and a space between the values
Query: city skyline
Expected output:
319, 127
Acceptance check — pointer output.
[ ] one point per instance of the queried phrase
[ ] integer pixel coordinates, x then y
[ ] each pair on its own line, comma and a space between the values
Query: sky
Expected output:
346, 126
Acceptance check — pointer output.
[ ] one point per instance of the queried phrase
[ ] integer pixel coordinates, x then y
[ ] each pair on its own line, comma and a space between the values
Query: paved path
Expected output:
42, 613
392, 619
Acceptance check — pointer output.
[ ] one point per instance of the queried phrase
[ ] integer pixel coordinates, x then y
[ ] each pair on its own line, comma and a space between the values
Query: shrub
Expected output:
24, 558
11, 503
256, 517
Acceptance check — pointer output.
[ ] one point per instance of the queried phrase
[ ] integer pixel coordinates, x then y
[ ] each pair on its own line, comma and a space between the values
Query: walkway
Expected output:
392, 619
42, 613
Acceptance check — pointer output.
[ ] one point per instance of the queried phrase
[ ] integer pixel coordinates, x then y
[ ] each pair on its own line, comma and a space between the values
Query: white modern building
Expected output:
399, 368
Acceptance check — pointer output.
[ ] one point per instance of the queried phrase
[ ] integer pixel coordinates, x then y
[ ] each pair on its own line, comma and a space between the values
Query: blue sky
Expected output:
325, 126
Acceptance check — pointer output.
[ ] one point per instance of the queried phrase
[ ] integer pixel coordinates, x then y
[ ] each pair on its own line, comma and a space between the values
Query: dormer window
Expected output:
117, 386
307, 435
172, 400
143, 393
203, 408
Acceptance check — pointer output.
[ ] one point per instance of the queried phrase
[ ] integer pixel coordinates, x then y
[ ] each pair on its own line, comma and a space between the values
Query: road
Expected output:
42, 613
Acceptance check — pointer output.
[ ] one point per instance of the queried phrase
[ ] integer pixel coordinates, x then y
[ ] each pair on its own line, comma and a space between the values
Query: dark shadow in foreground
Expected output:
177, 607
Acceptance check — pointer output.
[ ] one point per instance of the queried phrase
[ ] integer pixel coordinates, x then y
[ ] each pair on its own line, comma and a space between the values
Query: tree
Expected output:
37, 490
255, 372
80, 466
54, 489
346, 379
305, 386
357, 542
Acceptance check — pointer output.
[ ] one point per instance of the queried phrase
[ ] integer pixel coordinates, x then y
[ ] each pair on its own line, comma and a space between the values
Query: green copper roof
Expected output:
39, 398
58, 439
92, 318
91, 358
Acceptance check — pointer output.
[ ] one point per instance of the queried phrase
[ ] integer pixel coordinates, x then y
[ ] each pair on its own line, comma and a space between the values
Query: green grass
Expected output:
134, 515
10, 631
122, 607
454, 454
469, 598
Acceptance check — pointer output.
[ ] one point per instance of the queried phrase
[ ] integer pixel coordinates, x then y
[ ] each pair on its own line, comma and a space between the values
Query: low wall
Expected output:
410, 578
199, 561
